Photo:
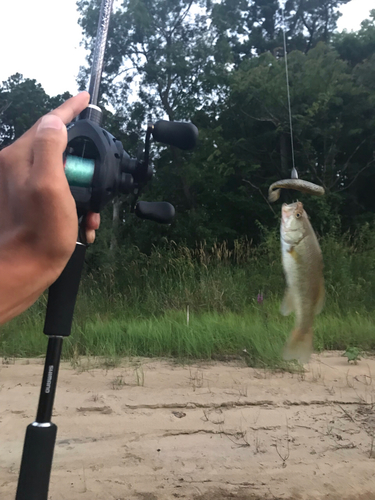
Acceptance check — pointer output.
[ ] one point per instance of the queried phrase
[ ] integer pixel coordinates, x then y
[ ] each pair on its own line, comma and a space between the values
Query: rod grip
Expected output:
62, 296
36, 462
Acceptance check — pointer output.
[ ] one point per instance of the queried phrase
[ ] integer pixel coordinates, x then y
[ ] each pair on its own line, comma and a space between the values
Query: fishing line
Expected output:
294, 170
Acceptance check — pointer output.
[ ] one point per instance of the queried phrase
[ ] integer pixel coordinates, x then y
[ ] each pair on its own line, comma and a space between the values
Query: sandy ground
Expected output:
155, 430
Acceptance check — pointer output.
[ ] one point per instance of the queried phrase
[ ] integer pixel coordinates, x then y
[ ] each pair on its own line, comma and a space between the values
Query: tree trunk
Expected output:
185, 185
116, 203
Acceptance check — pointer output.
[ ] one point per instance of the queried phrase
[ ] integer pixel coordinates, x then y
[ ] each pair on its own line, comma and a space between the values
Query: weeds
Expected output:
196, 379
258, 445
353, 354
284, 457
139, 375
239, 438
371, 453
118, 383
203, 303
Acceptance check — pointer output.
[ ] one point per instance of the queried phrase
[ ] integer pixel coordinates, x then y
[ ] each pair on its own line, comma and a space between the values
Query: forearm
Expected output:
23, 278
38, 215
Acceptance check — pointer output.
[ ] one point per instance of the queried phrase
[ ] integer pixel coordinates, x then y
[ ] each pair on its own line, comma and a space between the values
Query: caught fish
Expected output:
297, 184
303, 267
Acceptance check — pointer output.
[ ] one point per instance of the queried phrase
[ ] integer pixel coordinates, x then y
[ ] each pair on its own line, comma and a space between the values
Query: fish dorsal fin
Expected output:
287, 305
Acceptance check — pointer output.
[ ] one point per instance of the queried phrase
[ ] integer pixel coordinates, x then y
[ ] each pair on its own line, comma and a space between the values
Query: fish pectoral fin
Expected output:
287, 305
320, 301
293, 253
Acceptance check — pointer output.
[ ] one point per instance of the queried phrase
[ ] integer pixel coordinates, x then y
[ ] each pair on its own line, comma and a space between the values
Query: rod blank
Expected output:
98, 59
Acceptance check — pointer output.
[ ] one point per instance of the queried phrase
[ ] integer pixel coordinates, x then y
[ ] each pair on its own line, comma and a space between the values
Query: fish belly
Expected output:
301, 267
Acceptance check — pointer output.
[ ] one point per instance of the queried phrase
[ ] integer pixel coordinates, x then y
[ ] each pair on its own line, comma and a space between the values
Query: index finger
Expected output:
72, 107
66, 112
22, 149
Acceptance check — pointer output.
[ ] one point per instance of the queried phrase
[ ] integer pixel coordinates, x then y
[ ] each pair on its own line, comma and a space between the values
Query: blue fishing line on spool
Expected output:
79, 171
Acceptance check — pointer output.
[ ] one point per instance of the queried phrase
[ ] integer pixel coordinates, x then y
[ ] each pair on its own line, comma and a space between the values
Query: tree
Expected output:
333, 123
167, 48
356, 47
252, 27
221, 64
22, 102
165, 45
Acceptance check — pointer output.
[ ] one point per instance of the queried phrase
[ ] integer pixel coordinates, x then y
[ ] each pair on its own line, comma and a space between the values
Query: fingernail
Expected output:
50, 121
83, 92
96, 220
90, 236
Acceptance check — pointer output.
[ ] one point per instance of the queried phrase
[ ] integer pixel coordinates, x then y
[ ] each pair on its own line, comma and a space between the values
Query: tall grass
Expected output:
139, 305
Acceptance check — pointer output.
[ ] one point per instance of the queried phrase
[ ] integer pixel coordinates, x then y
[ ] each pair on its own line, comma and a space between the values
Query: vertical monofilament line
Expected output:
100, 43
294, 171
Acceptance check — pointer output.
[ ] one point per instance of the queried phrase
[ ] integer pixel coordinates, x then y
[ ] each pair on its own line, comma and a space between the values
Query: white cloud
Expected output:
353, 13
40, 39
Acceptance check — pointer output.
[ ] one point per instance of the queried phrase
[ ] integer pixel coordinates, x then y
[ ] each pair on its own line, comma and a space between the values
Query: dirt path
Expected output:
154, 430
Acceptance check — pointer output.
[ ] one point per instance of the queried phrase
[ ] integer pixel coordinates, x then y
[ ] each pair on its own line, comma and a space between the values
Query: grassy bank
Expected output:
139, 307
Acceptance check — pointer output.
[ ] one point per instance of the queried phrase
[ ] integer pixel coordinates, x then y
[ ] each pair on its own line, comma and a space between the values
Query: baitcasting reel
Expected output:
98, 168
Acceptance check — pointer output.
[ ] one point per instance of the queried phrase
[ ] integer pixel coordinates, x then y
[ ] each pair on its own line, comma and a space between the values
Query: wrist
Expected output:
24, 277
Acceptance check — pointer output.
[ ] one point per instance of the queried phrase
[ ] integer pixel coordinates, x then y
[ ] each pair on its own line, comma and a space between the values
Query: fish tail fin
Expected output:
299, 345
321, 297
274, 195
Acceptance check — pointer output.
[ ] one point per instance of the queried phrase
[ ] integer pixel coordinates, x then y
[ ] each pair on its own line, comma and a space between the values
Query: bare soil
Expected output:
156, 430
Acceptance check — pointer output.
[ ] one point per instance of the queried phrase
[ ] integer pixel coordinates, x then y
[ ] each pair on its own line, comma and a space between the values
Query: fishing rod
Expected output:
98, 169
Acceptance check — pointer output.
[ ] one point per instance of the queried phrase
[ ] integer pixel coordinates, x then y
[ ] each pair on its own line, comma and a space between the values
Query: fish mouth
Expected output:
292, 233
286, 212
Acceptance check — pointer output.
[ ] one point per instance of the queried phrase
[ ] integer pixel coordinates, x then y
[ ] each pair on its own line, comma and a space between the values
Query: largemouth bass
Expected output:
303, 267
297, 184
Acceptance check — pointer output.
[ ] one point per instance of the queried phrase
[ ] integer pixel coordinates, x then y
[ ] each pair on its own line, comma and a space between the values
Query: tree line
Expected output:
222, 65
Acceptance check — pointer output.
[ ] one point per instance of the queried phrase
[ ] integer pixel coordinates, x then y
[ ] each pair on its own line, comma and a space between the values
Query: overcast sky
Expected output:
41, 39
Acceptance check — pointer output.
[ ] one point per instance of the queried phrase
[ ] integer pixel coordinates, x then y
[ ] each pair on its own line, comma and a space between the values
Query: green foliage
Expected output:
353, 354
221, 65
140, 308
356, 47
333, 126
255, 27
165, 45
22, 103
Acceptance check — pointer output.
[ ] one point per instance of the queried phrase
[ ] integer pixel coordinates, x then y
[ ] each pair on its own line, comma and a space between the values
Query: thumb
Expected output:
50, 142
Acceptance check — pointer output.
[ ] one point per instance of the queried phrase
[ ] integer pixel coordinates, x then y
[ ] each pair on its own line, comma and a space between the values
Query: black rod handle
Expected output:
36, 462
62, 295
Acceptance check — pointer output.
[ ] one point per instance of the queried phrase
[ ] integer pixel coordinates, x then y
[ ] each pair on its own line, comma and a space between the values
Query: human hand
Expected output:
38, 217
